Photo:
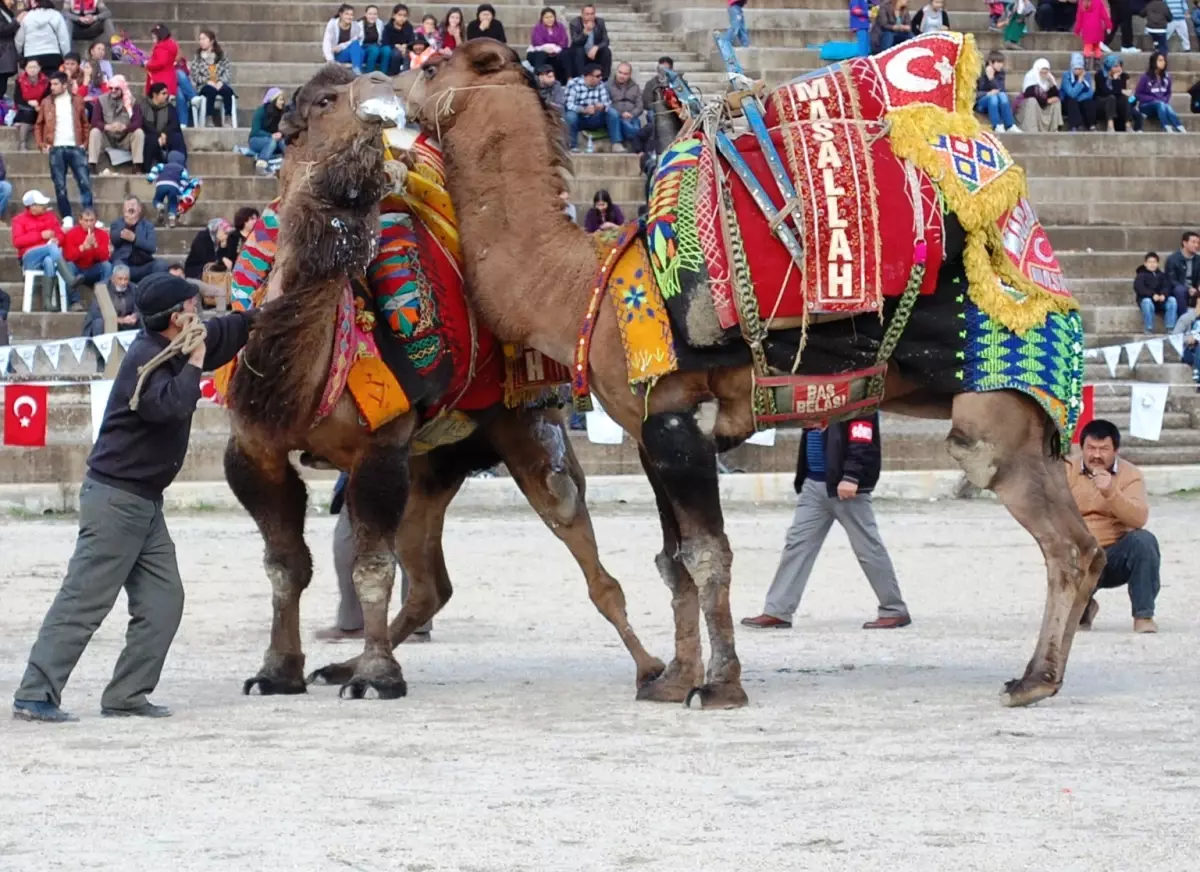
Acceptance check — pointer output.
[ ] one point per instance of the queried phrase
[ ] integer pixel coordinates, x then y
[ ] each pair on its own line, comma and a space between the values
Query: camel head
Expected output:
436, 93
334, 135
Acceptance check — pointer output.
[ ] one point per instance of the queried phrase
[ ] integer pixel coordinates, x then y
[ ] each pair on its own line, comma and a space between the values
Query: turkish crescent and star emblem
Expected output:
920, 72
25, 415
1028, 247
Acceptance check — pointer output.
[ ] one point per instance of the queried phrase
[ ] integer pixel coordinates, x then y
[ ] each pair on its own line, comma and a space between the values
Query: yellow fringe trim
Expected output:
913, 130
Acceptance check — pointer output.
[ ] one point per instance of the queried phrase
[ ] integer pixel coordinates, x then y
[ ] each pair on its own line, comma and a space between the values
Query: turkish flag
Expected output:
25, 415
1088, 412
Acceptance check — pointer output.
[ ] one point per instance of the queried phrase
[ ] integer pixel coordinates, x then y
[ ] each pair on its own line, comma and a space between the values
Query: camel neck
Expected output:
528, 267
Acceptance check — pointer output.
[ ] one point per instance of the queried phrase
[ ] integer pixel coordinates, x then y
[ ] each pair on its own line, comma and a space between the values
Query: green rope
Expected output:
891, 336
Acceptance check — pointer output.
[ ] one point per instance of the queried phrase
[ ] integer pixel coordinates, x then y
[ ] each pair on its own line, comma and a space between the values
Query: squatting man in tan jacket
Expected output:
1111, 495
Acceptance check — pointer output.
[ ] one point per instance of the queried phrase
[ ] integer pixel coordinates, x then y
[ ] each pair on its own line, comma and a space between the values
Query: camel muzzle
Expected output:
377, 102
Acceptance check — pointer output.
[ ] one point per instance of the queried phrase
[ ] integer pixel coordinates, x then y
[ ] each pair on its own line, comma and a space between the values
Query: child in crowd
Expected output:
1153, 293
421, 51
737, 23
991, 97
1092, 23
169, 180
860, 24
996, 13
429, 29
1015, 22
1157, 16
1178, 24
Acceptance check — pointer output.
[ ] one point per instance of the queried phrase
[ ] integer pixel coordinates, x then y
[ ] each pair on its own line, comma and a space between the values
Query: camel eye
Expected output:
325, 102
430, 71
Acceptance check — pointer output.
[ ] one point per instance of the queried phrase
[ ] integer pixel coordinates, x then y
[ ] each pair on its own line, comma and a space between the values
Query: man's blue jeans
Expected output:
266, 147
49, 259
737, 26
1169, 308
630, 129
183, 99
63, 158
96, 273
1134, 560
352, 55
577, 121
5, 195
998, 109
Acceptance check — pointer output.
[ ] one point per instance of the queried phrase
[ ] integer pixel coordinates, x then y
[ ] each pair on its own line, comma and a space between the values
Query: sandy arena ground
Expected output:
520, 746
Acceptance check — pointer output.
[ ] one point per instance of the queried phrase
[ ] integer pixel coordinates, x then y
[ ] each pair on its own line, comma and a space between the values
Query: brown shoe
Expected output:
767, 622
1144, 625
337, 634
888, 623
1089, 615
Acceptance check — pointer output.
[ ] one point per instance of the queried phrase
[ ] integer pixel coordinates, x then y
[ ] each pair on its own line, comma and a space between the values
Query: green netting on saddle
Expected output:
675, 253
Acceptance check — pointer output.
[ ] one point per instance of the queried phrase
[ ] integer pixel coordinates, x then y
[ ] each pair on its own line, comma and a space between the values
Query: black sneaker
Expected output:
145, 710
41, 711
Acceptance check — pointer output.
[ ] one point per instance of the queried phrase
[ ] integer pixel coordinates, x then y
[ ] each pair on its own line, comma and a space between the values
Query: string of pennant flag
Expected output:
53, 349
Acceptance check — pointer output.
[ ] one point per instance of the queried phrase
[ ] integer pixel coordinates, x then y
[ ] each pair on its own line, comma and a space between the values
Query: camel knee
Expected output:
565, 499
977, 458
374, 574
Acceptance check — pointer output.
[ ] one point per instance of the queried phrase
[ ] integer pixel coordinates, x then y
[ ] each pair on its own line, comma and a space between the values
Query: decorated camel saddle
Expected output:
452, 365
808, 235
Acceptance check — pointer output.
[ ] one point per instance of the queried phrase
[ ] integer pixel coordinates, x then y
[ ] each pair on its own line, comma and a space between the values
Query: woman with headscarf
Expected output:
1112, 97
1079, 95
1041, 108
265, 139
486, 24
206, 249
1153, 94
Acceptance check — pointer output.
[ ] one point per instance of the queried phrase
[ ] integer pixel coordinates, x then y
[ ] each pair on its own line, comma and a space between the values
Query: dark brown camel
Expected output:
272, 415
529, 273
331, 187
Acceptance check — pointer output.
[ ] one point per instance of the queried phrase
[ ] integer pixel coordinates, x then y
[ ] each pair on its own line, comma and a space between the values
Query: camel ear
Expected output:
489, 56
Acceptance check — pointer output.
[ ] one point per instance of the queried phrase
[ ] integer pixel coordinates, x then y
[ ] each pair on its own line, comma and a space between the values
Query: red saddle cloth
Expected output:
860, 217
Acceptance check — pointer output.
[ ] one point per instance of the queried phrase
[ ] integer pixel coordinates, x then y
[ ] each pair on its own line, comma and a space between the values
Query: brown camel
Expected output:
274, 415
503, 157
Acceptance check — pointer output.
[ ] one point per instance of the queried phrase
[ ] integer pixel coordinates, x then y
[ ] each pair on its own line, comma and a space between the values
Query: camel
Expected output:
330, 190
531, 276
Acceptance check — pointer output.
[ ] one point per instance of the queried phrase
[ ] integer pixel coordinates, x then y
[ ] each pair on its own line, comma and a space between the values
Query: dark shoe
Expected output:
888, 623
337, 634
1089, 615
43, 712
767, 622
145, 710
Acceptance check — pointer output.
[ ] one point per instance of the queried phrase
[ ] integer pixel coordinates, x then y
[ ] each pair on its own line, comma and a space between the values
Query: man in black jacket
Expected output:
837, 469
123, 538
589, 44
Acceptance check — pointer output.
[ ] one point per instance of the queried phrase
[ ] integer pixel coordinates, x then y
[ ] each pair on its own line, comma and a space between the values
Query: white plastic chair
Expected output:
199, 119
31, 276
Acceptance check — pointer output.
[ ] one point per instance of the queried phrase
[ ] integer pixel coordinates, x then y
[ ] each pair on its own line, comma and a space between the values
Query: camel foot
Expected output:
376, 677
1026, 691
671, 685
334, 673
650, 672
718, 696
265, 684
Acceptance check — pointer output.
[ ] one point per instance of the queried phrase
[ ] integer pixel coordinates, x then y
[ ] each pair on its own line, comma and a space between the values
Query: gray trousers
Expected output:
815, 514
349, 616
123, 543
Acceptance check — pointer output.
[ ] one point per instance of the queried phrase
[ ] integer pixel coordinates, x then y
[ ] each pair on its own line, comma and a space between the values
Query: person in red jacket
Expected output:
31, 88
160, 66
38, 237
88, 248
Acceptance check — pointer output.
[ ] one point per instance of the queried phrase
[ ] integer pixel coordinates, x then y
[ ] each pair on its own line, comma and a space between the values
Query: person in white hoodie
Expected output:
343, 43
44, 36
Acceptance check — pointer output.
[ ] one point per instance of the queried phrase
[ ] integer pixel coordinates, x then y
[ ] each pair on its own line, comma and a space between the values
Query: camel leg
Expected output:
535, 447
433, 481
375, 496
686, 669
273, 493
1001, 439
685, 460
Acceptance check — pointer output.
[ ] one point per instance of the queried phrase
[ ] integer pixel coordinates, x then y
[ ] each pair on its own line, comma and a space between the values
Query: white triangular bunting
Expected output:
1155, 347
1146, 407
126, 337
52, 351
99, 391
104, 345
1091, 353
1133, 350
1112, 356
762, 437
78, 346
1176, 340
26, 353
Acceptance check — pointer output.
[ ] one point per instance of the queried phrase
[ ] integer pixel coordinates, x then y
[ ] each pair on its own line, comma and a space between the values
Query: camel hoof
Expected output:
1022, 692
652, 673
273, 685
662, 689
334, 673
718, 696
368, 688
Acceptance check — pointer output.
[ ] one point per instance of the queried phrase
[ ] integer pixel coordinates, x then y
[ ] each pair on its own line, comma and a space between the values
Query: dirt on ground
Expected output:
520, 745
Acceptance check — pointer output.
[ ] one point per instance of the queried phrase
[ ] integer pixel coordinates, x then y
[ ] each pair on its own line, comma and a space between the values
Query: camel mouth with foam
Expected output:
376, 102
